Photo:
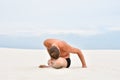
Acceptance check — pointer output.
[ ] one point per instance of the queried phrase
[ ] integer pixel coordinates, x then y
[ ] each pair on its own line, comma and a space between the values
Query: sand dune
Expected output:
22, 64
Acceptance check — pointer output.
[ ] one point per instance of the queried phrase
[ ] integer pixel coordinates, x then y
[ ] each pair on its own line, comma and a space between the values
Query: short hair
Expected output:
54, 52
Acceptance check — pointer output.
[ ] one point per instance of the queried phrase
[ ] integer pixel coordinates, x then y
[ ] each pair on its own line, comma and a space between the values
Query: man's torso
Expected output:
63, 46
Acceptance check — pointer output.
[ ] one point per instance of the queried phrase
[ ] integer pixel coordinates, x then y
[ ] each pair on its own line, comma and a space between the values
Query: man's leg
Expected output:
59, 63
56, 63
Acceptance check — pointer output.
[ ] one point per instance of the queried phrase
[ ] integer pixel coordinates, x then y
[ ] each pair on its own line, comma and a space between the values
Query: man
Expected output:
59, 52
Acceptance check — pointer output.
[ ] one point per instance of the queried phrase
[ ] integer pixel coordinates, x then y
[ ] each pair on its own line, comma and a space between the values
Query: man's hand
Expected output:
84, 66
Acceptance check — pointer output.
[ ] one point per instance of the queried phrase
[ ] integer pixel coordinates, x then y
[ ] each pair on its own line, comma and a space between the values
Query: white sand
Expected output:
19, 64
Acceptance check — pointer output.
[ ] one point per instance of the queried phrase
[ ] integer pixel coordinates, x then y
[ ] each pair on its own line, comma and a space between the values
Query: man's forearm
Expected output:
81, 56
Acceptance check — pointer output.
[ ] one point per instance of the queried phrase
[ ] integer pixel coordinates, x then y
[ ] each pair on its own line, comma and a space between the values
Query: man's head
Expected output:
54, 52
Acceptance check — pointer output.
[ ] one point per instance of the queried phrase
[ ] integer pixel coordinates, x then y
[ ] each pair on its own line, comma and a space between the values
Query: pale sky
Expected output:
85, 17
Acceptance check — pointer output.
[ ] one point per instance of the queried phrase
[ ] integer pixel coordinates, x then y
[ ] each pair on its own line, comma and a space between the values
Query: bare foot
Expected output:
43, 66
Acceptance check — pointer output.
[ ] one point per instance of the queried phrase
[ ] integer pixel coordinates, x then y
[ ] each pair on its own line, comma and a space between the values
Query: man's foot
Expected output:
43, 66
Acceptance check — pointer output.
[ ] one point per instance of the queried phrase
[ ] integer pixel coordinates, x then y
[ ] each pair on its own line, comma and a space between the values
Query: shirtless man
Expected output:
59, 52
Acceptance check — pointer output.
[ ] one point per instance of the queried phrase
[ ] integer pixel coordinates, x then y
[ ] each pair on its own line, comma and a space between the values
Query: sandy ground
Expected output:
22, 64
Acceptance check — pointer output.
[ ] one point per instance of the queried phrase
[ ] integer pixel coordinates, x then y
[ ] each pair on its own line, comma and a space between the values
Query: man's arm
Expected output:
71, 49
81, 56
